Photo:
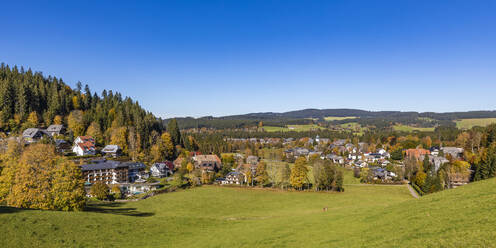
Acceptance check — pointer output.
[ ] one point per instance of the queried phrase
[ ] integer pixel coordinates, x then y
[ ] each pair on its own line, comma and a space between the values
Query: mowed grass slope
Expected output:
362, 216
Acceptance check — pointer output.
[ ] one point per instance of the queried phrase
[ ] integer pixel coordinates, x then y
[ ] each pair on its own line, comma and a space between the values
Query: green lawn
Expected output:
211, 216
405, 128
469, 123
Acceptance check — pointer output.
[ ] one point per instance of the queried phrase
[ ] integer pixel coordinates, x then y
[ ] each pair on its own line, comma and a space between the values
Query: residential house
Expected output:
135, 170
458, 179
139, 188
32, 135
162, 169
437, 161
339, 142
244, 168
418, 154
54, 130
234, 177
335, 158
252, 159
111, 150
454, 152
178, 162
360, 164
62, 145
207, 162
300, 152
84, 145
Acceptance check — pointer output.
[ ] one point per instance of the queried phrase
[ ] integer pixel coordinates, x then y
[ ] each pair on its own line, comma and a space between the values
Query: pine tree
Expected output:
175, 134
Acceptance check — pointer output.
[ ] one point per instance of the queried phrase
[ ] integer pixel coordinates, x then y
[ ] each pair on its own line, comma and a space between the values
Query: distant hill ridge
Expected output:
322, 113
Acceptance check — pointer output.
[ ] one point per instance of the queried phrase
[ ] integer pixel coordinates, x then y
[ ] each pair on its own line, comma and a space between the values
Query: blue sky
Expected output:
198, 58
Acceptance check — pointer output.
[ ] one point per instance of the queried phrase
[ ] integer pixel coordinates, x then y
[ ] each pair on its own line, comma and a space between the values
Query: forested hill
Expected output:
29, 99
307, 116
322, 113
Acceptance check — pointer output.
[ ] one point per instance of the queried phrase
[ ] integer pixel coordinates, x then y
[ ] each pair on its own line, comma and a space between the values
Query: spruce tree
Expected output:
173, 129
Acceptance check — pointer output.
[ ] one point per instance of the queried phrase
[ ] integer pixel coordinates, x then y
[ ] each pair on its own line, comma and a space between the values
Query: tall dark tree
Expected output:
173, 129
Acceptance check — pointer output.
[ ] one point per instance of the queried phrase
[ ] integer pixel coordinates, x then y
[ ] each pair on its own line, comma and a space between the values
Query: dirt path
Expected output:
412, 191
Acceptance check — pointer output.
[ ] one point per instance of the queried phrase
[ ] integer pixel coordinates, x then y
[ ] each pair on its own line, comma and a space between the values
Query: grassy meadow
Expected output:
405, 128
469, 123
296, 128
337, 118
214, 216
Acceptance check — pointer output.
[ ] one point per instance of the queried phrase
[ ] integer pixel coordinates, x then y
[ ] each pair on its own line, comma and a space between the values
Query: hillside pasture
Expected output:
409, 129
338, 118
295, 128
216, 216
469, 123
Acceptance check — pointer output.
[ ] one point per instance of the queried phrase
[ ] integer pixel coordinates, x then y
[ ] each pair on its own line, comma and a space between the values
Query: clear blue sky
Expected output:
198, 58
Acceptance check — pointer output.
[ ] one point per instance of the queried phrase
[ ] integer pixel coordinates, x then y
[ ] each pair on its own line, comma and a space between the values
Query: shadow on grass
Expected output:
115, 208
9, 210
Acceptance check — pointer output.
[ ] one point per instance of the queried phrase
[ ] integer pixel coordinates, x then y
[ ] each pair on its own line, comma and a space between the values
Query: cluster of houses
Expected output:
82, 145
284, 141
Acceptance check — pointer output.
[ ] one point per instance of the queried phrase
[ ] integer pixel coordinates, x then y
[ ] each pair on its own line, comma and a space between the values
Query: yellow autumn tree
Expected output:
75, 122
57, 120
168, 146
43, 180
190, 167
119, 137
76, 102
33, 119
68, 186
298, 176
95, 131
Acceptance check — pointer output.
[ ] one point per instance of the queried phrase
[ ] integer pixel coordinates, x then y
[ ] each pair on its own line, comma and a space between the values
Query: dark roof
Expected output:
135, 165
31, 132
103, 165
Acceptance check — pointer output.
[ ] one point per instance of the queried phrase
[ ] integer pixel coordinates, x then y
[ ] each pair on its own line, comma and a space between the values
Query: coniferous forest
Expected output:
30, 99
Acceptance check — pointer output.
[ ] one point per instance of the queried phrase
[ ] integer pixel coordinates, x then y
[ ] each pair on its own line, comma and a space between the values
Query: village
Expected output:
369, 163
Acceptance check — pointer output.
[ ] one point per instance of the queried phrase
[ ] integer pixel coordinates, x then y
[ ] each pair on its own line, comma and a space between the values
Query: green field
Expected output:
296, 128
405, 128
211, 216
337, 118
469, 123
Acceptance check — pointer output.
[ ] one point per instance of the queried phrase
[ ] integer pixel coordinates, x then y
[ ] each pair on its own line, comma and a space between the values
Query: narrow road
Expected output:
412, 191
